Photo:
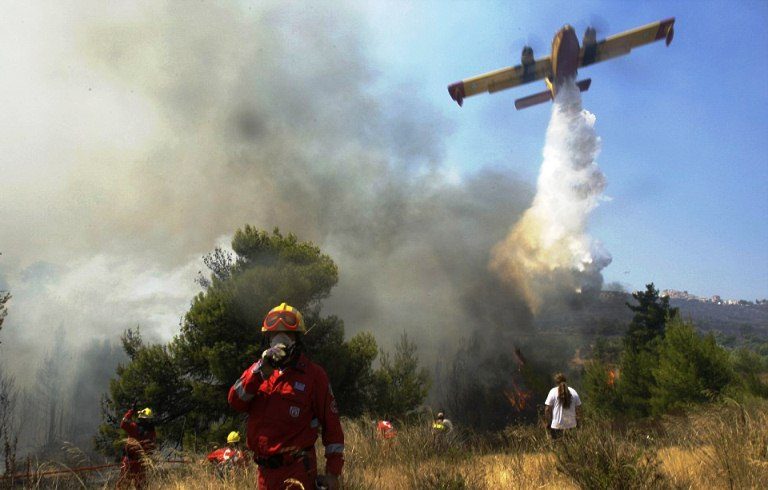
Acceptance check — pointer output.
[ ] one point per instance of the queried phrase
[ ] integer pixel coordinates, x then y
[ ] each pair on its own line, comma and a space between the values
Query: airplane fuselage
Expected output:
565, 57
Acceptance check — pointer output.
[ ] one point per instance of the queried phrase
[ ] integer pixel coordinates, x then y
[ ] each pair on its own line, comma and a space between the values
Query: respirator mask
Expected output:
282, 338
278, 356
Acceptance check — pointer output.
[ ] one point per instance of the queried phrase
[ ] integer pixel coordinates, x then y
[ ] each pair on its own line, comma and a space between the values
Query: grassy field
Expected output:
721, 447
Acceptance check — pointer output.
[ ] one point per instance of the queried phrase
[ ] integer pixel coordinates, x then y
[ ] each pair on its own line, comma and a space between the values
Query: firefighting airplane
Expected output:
566, 57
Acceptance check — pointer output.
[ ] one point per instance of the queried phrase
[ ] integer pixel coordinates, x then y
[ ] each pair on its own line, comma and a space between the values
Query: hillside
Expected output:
609, 315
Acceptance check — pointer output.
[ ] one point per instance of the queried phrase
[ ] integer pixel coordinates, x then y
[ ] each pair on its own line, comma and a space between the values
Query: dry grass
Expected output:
726, 447
683, 467
723, 447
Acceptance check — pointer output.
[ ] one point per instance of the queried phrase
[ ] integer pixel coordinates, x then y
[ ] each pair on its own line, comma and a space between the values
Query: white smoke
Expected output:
92, 299
548, 252
138, 135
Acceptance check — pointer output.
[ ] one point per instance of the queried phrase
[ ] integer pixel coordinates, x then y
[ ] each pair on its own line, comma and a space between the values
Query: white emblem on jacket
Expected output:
294, 411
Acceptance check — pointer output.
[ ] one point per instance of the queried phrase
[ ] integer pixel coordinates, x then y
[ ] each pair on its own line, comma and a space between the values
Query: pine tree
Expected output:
400, 385
651, 315
640, 355
186, 381
690, 369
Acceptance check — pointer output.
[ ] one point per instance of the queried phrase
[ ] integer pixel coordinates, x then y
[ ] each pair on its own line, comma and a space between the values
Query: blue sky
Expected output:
683, 128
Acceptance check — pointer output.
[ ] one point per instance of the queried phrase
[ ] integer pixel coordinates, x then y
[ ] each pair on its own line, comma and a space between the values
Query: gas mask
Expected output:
281, 338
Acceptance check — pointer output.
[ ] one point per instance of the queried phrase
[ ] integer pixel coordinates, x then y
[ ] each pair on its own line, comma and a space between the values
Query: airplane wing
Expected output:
500, 79
623, 43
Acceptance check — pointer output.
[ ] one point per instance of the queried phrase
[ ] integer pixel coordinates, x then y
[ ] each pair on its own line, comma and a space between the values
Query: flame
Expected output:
517, 398
611, 377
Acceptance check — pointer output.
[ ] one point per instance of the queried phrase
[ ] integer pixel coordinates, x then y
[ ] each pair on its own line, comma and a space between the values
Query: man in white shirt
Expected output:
562, 407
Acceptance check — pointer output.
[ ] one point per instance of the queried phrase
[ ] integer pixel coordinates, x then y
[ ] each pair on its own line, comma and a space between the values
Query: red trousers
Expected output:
132, 473
303, 470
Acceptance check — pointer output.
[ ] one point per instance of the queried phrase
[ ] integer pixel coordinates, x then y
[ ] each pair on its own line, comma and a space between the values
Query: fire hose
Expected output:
81, 469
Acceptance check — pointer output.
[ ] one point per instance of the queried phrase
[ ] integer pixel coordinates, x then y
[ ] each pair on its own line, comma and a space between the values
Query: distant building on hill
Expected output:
675, 294
715, 299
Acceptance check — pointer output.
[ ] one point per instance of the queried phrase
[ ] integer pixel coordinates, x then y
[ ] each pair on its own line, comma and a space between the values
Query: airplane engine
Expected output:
589, 43
590, 37
527, 57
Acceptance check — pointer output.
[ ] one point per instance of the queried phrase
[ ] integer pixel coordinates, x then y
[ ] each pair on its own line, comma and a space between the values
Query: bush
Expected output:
600, 390
691, 369
399, 385
748, 367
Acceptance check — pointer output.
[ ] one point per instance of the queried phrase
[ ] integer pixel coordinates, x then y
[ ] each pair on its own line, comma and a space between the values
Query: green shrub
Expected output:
748, 367
691, 368
601, 396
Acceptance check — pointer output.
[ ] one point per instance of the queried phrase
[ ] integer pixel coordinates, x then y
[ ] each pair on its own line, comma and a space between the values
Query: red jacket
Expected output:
386, 429
286, 411
226, 455
140, 440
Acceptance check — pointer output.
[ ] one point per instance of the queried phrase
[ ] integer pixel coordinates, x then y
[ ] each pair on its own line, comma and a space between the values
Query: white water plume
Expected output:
548, 253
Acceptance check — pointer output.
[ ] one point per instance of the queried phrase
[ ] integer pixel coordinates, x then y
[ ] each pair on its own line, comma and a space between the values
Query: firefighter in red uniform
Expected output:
228, 457
288, 398
385, 429
138, 445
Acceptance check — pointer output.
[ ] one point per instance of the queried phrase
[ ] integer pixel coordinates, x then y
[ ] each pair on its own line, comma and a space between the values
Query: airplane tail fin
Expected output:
546, 96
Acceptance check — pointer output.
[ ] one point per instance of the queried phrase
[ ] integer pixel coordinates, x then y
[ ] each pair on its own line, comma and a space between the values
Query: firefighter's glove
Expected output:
272, 358
274, 355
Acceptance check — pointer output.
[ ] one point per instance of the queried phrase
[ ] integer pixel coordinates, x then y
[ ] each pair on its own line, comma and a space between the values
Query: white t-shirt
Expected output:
563, 418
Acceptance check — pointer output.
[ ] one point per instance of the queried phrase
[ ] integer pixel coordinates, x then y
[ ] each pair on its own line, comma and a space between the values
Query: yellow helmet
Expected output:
146, 413
233, 436
284, 318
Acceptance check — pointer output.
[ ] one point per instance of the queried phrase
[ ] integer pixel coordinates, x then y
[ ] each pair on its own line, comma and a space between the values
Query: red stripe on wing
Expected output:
664, 27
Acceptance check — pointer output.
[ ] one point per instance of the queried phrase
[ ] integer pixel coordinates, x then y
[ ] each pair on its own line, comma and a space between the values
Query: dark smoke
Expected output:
267, 117
171, 126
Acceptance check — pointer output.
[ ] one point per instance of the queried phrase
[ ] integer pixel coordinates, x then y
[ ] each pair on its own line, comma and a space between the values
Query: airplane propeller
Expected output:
540, 48
600, 24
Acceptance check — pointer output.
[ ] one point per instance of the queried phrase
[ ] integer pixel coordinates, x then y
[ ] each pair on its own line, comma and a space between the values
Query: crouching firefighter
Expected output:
229, 457
288, 399
139, 444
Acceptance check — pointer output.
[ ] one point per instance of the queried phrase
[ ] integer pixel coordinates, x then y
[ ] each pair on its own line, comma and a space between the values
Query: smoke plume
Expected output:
548, 253
137, 136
